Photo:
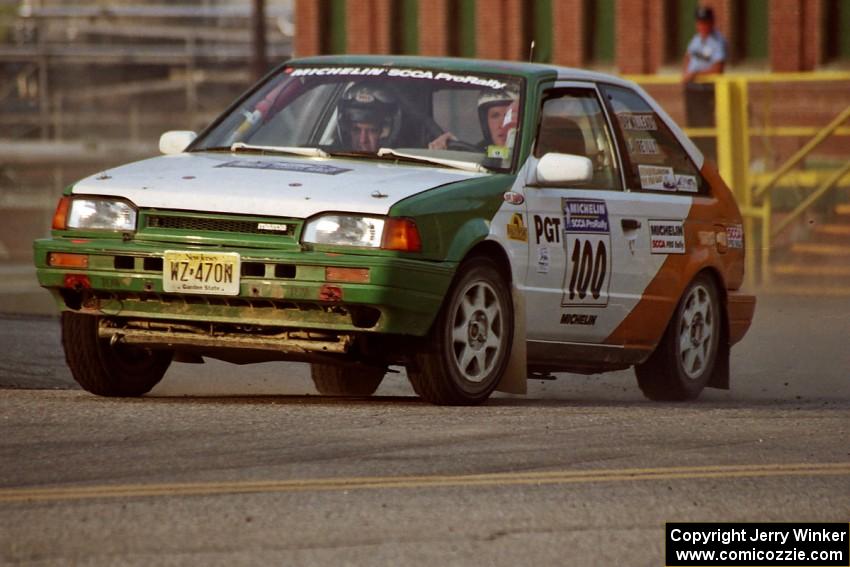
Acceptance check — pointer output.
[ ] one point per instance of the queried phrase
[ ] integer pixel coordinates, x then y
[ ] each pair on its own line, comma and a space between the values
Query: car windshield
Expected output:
448, 118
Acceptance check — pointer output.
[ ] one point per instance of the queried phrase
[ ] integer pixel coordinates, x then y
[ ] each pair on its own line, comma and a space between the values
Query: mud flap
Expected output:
515, 378
721, 373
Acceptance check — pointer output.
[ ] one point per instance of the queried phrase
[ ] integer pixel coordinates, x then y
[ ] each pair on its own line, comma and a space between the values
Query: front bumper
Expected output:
124, 280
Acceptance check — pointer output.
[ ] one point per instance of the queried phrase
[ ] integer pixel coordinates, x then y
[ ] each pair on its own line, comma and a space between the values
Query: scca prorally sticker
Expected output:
585, 215
319, 168
667, 236
587, 242
474, 80
543, 259
639, 122
735, 236
516, 228
657, 178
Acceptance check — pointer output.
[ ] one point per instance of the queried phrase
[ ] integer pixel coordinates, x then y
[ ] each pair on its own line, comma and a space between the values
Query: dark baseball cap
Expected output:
704, 14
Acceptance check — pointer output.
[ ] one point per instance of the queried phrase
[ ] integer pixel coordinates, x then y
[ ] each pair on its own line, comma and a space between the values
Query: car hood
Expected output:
285, 186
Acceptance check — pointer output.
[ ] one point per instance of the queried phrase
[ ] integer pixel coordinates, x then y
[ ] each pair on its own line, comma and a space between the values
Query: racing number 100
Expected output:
588, 268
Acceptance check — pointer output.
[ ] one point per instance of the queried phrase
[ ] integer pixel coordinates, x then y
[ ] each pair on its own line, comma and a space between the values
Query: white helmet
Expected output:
488, 99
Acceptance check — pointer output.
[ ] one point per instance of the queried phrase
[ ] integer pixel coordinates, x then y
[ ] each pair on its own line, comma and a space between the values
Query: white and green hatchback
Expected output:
477, 222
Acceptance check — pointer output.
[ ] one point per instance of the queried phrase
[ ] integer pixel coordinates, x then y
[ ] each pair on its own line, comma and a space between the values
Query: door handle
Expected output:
630, 224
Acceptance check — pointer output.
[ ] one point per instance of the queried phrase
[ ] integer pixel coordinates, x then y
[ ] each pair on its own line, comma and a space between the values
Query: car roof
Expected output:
539, 71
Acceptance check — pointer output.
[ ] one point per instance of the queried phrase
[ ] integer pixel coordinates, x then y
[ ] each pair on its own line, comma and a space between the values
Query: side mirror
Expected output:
563, 169
175, 141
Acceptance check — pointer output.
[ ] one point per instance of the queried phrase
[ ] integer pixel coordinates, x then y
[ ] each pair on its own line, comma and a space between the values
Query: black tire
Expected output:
468, 346
119, 371
684, 361
332, 380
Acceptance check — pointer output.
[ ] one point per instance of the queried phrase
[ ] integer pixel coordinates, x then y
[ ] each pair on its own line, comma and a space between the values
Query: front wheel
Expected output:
119, 371
470, 343
683, 363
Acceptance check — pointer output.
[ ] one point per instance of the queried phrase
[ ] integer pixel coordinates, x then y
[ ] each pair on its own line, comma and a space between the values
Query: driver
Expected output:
369, 118
497, 114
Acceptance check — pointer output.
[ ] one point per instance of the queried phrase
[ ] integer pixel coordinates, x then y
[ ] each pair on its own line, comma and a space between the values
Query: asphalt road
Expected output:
226, 464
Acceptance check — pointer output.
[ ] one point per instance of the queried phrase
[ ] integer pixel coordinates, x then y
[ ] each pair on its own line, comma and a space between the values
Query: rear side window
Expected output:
572, 122
654, 158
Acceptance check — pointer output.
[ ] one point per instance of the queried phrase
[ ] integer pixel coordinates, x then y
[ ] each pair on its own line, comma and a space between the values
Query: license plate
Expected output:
213, 273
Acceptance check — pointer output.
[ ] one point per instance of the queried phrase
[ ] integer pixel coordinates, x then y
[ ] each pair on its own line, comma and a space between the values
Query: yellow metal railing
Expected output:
755, 190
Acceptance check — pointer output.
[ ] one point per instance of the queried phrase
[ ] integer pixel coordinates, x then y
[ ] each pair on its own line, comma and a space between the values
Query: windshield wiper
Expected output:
294, 150
453, 163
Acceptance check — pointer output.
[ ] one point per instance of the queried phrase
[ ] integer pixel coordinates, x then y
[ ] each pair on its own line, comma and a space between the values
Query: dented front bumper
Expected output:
288, 289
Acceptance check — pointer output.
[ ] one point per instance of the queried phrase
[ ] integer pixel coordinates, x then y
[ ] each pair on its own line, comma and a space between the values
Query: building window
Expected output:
836, 15
679, 20
461, 27
600, 32
332, 38
537, 27
751, 30
404, 30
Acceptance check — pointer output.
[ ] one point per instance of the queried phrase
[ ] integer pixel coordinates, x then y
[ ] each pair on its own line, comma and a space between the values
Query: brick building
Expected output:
626, 36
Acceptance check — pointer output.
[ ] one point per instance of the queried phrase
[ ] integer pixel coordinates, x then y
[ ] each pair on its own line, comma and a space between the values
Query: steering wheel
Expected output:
460, 145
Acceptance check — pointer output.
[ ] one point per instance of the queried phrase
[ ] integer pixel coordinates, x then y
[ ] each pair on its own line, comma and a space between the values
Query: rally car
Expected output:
478, 222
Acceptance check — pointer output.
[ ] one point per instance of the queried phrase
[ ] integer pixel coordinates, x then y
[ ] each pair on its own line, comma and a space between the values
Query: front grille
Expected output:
196, 224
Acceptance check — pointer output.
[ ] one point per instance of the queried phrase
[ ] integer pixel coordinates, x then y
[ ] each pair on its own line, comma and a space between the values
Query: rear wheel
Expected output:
120, 370
683, 363
470, 341
332, 380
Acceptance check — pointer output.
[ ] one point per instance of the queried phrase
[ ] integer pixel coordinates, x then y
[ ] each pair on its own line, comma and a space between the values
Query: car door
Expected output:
588, 248
662, 184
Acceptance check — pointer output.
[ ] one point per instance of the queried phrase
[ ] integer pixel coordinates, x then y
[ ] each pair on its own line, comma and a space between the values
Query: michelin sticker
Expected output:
578, 319
587, 242
516, 228
667, 237
395, 72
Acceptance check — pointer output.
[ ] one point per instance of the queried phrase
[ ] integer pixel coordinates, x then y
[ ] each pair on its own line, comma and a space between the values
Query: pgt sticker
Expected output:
587, 239
735, 236
667, 237
516, 229
657, 178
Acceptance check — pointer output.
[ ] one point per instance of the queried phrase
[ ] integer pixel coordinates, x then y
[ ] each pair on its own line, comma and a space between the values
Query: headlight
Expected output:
345, 230
101, 214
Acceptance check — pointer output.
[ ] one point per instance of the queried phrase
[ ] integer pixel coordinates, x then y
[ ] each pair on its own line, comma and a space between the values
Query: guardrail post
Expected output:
733, 157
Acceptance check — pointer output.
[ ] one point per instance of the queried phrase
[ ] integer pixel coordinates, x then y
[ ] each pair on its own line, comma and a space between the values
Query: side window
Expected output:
654, 159
572, 122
